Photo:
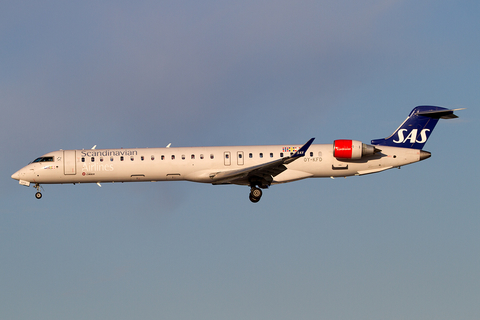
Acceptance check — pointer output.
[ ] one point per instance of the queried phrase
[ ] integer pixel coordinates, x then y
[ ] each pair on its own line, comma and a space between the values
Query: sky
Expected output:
402, 244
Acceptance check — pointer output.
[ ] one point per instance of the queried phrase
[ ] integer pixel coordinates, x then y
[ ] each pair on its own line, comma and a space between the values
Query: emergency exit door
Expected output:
226, 157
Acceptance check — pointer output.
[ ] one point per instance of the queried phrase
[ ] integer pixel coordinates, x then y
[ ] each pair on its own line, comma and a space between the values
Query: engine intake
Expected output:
352, 149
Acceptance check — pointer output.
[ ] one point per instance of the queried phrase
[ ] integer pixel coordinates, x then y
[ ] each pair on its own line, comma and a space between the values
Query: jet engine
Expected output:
352, 149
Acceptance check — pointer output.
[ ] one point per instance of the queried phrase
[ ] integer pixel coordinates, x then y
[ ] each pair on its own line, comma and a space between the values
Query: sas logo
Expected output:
412, 136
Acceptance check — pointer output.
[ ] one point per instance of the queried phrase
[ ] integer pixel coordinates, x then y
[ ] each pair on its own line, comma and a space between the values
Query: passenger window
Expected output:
111, 158
121, 158
250, 155
201, 156
83, 159
162, 157
281, 154
240, 156
226, 156
271, 154
131, 158
211, 156
173, 157
183, 157
93, 159
261, 155
142, 158
311, 154
101, 159
192, 156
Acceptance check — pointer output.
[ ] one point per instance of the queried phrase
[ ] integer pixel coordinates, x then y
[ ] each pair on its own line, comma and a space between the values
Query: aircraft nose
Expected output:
16, 175
19, 175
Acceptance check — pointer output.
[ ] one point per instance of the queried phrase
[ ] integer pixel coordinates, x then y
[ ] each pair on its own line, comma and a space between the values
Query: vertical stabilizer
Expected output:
416, 129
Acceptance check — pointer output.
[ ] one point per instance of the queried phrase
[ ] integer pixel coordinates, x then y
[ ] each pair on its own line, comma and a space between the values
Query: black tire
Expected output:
253, 199
38, 195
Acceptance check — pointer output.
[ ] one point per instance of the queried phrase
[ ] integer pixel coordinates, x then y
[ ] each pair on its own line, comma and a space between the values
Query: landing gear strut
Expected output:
38, 195
255, 194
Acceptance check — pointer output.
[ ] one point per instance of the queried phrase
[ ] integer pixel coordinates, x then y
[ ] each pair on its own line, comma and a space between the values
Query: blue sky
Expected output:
403, 244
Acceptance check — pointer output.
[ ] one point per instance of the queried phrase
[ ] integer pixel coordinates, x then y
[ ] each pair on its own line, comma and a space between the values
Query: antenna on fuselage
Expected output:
168, 146
94, 147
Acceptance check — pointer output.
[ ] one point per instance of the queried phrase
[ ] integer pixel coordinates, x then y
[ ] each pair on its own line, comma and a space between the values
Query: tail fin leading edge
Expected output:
415, 130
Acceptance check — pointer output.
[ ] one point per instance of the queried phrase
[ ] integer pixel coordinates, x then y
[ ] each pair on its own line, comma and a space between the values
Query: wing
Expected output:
261, 174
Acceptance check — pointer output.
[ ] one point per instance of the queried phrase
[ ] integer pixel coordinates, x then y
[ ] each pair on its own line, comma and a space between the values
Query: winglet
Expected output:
301, 152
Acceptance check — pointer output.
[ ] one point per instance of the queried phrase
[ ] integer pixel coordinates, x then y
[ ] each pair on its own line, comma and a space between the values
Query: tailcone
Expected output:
424, 155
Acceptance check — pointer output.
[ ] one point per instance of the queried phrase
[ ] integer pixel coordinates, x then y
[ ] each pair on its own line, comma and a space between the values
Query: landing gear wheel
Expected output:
255, 194
253, 199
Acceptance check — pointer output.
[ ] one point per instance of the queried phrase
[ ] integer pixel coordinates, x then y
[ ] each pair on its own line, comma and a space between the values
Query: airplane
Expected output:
258, 167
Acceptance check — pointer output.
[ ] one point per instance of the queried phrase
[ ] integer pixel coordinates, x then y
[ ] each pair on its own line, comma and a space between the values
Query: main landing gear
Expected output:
38, 195
257, 182
255, 194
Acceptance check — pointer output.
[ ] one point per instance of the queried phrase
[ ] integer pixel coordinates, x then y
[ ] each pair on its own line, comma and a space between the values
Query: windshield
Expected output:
43, 159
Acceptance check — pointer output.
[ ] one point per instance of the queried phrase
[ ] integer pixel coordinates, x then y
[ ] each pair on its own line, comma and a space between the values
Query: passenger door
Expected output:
69, 164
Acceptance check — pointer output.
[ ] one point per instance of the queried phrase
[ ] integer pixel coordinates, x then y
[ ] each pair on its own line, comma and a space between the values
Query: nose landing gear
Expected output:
38, 195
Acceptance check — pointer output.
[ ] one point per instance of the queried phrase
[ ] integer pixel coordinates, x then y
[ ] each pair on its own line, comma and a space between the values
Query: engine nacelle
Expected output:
352, 149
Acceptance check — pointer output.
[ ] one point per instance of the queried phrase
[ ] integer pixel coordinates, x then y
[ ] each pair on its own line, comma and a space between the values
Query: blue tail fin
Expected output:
416, 129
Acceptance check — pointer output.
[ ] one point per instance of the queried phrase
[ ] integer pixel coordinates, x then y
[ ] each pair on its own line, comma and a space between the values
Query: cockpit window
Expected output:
43, 159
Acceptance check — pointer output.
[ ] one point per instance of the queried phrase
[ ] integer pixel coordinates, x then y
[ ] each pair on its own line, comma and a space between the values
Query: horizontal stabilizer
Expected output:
440, 114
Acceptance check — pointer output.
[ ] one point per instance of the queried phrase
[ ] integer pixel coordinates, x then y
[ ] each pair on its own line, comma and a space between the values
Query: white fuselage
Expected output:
200, 164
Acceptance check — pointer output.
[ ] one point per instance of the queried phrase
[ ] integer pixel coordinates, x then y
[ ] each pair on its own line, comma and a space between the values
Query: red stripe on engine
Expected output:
343, 149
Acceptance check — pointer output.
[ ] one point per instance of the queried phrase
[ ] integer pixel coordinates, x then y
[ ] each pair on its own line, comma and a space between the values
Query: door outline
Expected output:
240, 158
69, 163
227, 158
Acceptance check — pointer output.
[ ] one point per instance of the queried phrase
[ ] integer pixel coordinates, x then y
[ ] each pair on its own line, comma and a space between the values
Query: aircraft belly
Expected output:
200, 176
291, 175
